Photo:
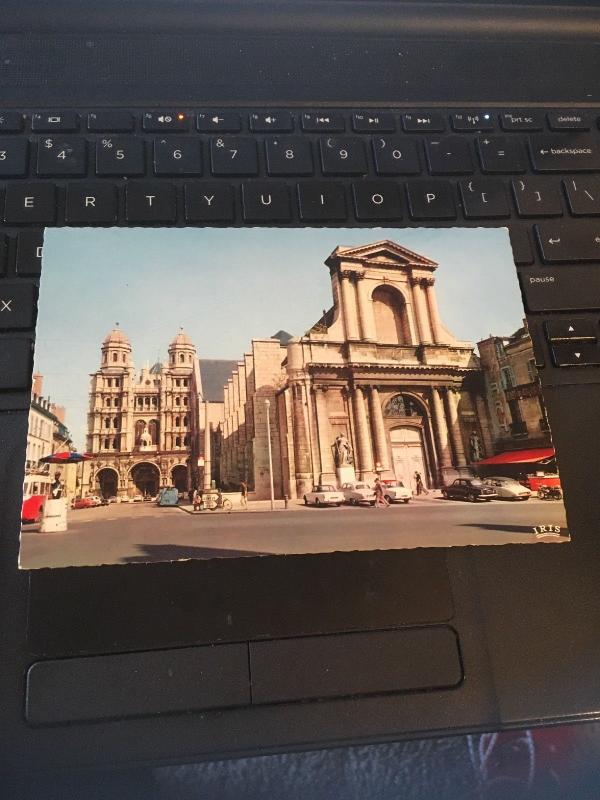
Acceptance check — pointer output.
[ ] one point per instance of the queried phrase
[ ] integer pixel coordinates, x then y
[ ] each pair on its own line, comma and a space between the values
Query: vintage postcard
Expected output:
210, 393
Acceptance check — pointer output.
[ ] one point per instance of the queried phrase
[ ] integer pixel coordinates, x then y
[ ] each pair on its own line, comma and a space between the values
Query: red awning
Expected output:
521, 456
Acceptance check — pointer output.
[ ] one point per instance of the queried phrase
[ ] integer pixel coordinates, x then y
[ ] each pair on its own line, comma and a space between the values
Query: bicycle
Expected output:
212, 502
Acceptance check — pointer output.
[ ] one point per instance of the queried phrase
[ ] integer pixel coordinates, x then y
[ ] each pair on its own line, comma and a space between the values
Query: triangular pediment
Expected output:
384, 253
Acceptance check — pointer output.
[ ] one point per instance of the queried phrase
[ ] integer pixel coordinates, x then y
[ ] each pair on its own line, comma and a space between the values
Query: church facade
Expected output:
379, 386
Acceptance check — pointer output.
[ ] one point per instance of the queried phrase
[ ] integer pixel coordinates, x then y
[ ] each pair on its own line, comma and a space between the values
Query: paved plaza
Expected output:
142, 532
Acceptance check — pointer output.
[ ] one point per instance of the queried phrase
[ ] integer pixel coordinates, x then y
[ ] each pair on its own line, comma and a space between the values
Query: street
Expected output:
137, 533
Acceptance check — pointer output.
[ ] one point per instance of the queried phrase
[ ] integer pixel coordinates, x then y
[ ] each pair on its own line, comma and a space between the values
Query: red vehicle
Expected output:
36, 490
534, 482
85, 502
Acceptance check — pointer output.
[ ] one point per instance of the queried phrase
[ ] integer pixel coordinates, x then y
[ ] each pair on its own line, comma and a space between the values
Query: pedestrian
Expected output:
380, 498
419, 483
191, 494
244, 495
197, 500
56, 488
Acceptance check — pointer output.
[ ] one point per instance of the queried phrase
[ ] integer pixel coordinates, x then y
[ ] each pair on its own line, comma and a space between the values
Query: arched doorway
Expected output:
408, 454
146, 479
108, 481
391, 319
179, 476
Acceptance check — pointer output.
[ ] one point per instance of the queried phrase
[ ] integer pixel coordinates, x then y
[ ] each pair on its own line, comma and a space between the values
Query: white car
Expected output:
138, 498
396, 492
324, 495
508, 488
357, 493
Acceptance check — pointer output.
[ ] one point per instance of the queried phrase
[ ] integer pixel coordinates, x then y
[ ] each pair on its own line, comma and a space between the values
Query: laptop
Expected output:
300, 309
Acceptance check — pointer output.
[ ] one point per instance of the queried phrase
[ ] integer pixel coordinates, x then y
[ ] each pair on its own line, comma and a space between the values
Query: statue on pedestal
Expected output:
342, 451
145, 439
475, 447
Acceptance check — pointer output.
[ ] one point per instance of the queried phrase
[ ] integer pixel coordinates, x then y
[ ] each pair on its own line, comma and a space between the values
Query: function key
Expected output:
472, 121
372, 121
110, 122
566, 330
280, 121
568, 121
11, 121
322, 121
423, 122
218, 121
521, 121
55, 121
157, 121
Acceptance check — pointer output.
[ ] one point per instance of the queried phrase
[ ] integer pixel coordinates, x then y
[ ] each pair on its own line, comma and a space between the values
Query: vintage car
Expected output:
471, 489
396, 492
508, 488
357, 493
86, 502
324, 495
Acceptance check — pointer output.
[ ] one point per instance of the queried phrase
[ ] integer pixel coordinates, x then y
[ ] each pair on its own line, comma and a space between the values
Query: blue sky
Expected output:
227, 286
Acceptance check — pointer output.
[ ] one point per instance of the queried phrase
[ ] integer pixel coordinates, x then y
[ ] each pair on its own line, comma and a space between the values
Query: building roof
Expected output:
182, 339
283, 336
116, 336
214, 374
156, 368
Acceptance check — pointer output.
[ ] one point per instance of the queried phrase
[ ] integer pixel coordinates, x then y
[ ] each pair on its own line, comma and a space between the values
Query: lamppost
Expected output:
267, 407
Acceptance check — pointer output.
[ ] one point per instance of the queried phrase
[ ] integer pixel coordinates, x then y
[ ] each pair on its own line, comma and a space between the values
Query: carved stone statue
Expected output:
145, 439
342, 451
475, 447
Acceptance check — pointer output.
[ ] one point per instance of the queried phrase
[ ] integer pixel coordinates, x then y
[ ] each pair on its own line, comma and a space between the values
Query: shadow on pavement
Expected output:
493, 526
174, 552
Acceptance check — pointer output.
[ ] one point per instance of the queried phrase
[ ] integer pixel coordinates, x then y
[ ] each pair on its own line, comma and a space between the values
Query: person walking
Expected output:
244, 495
380, 498
197, 500
419, 483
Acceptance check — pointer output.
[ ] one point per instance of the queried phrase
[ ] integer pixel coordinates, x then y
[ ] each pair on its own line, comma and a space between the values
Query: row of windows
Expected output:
183, 358
40, 428
113, 444
114, 358
110, 382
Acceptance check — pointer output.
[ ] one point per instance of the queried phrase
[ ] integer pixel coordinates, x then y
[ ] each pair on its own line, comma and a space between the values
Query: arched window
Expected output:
178, 441
190, 358
115, 356
185, 383
107, 401
185, 401
177, 422
154, 401
116, 423
109, 382
106, 444
402, 405
182, 358
140, 427
178, 401
153, 431
115, 443
185, 422
107, 422
391, 321
117, 381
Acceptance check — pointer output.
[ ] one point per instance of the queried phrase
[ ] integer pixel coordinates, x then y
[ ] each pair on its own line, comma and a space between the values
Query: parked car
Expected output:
85, 502
471, 489
324, 495
357, 493
396, 492
508, 488
111, 500
138, 498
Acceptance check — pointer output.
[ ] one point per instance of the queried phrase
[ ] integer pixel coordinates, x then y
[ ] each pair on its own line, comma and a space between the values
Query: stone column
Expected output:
453, 396
379, 435
484, 424
324, 434
421, 312
365, 310
207, 449
440, 430
301, 445
363, 439
434, 312
350, 310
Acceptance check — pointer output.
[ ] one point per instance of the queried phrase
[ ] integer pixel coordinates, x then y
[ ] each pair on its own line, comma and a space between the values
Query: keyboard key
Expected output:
49, 122
11, 122
521, 121
280, 121
342, 156
570, 329
372, 121
16, 362
576, 354
377, 200
431, 123
564, 153
30, 202
501, 154
150, 202
3, 254
484, 199
91, 204
520, 242
431, 199
395, 155
234, 155
565, 242
575, 288
322, 121
568, 121
178, 155
449, 156
29, 253
321, 201
17, 305
14, 157
289, 155
537, 197
464, 121
158, 121
583, 196
266, 201
58, 156
110, 122
218, 122
209, 202
120, 156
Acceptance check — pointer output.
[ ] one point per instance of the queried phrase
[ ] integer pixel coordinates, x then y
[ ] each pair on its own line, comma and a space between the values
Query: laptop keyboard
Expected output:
536, 172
